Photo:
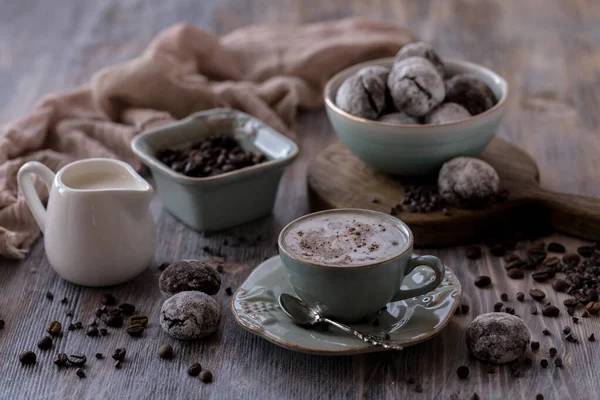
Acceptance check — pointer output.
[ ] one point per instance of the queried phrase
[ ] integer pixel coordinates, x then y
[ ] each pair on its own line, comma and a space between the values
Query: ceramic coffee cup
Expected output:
349, 293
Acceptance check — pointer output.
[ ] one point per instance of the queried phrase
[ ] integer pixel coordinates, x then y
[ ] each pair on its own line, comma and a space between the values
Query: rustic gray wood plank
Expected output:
549, 50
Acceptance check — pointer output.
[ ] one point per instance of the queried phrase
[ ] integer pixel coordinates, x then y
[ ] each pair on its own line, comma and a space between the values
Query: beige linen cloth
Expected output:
267, 71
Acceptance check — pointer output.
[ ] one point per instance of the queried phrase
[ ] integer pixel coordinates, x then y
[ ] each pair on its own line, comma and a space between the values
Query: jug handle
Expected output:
25, 179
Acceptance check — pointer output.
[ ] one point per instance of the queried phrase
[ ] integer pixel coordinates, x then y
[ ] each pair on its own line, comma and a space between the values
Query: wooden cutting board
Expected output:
338, 179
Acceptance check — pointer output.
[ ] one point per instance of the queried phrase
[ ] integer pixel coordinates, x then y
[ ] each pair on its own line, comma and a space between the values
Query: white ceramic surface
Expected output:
93, 237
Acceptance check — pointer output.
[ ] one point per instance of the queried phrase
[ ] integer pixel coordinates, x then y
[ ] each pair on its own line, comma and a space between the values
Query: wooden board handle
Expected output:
571, 214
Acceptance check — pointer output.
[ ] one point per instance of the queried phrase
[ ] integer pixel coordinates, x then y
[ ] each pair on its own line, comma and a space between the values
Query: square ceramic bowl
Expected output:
409, 149
221, 201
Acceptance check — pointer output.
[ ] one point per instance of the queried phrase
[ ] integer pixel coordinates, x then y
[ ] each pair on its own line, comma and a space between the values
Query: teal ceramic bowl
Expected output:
416, 149
221, 201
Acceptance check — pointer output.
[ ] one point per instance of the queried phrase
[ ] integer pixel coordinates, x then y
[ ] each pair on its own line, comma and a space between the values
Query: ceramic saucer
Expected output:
408, 322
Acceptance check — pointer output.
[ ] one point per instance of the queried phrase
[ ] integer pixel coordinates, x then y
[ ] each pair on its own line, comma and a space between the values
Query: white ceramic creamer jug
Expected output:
98, 229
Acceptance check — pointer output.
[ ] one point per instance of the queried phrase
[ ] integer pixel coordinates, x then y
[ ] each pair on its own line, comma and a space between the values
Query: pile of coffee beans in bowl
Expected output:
415, 90
211, 156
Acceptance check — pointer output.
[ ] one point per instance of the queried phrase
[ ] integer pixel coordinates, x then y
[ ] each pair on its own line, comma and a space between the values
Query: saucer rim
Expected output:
367, 348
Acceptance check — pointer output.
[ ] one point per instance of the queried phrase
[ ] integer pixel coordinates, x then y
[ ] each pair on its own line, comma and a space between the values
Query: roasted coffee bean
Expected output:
228, 291
571, 338
61, 359
504, 297
559, 285
135, 330
537, 247
103, 331
80, 373
2, 324
540, 276
100, 311
118, 364
78, 325
537, 294
520, 296
535, 346
570, 311
554, 247
475, 397
127, 309
585, 251
114, 321
206, 376
592, 294
550, 311
552, 351
571, 259
592, 338
54, 328
566, 330
165, 351
498, 306
387, 336
533, 310
49, 295
45, 343
473, 252
482, 281
544, 363
551, 261
571, 302
464, 308
138, 320
64, 300
515, 273
119, 354
510, 310
498, 250
77, 359
558, 362
94, 323
514, 264
108, 299
194, 369
508, 258
27, 357
115, 312
592, 307
575, 320
92, 331
99, 356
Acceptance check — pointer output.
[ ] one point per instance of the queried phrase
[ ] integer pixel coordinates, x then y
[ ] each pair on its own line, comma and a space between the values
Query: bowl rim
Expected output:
154, 164
330, 103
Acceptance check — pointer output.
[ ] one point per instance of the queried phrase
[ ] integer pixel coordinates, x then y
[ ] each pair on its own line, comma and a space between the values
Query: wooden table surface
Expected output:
549, 51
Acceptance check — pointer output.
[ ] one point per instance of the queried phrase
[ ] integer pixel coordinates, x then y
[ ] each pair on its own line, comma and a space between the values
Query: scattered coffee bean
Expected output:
165, 351
100, 311
92, 331
571, 338
473, 252
54, 328
108, 299
498, 307
49, 295
127, 309
515, 273
138, 319
540, 276
504, 297
103, 331
592, 338
544, 363
571, 302
94, 323
119, 354
520, 296
566, 330
535, 346
551, 261
571, 259
592, 307
228, 291
546, 332
77, 359
2, 324
45, 343
194, 369
550, 311
27, 357
482, 281
585, 314
585, 251
558, 362
99, 356
206, 376
554, 247
118, 364
114, 321
64, 300
559, 285
575, 320
552, 352
80, 373
533, 310
537, 247
464, 308
135, 330
387, 336
78, 325
510, 310
475, 397
537, 294
592, 294
61, 359
570, 311
498, 250
539, 396
463, 372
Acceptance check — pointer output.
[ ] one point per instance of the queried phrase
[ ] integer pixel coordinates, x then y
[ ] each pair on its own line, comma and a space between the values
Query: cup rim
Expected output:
408, 247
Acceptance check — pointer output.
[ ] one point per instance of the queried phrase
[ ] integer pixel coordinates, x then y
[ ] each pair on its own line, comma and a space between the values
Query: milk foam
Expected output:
345, 239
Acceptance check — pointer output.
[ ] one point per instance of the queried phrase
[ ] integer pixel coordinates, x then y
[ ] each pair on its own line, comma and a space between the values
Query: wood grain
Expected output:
549, 51
339, 179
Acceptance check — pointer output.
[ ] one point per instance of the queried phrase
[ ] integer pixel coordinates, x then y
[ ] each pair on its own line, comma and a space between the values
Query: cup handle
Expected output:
25, 179
430, 261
